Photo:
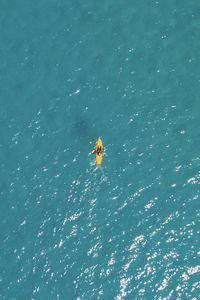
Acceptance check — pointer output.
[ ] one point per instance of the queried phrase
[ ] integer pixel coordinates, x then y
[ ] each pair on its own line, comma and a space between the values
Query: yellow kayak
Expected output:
99, 151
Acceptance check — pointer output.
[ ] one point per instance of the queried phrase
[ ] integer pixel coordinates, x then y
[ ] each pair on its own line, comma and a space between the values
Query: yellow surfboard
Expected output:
99, 151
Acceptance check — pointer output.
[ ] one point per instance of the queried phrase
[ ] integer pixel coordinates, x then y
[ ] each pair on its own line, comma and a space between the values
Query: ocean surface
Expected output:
71, 71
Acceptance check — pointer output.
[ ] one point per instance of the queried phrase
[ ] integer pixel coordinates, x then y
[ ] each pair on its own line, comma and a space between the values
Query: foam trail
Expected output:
103, 177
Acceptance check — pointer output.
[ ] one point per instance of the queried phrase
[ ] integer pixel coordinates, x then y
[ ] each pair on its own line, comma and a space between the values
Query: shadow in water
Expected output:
83, 129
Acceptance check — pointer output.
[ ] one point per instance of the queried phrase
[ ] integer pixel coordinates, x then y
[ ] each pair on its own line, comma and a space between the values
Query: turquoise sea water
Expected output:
128, 71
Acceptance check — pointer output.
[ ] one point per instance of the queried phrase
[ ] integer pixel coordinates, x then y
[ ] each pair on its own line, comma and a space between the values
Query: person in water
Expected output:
98, 151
